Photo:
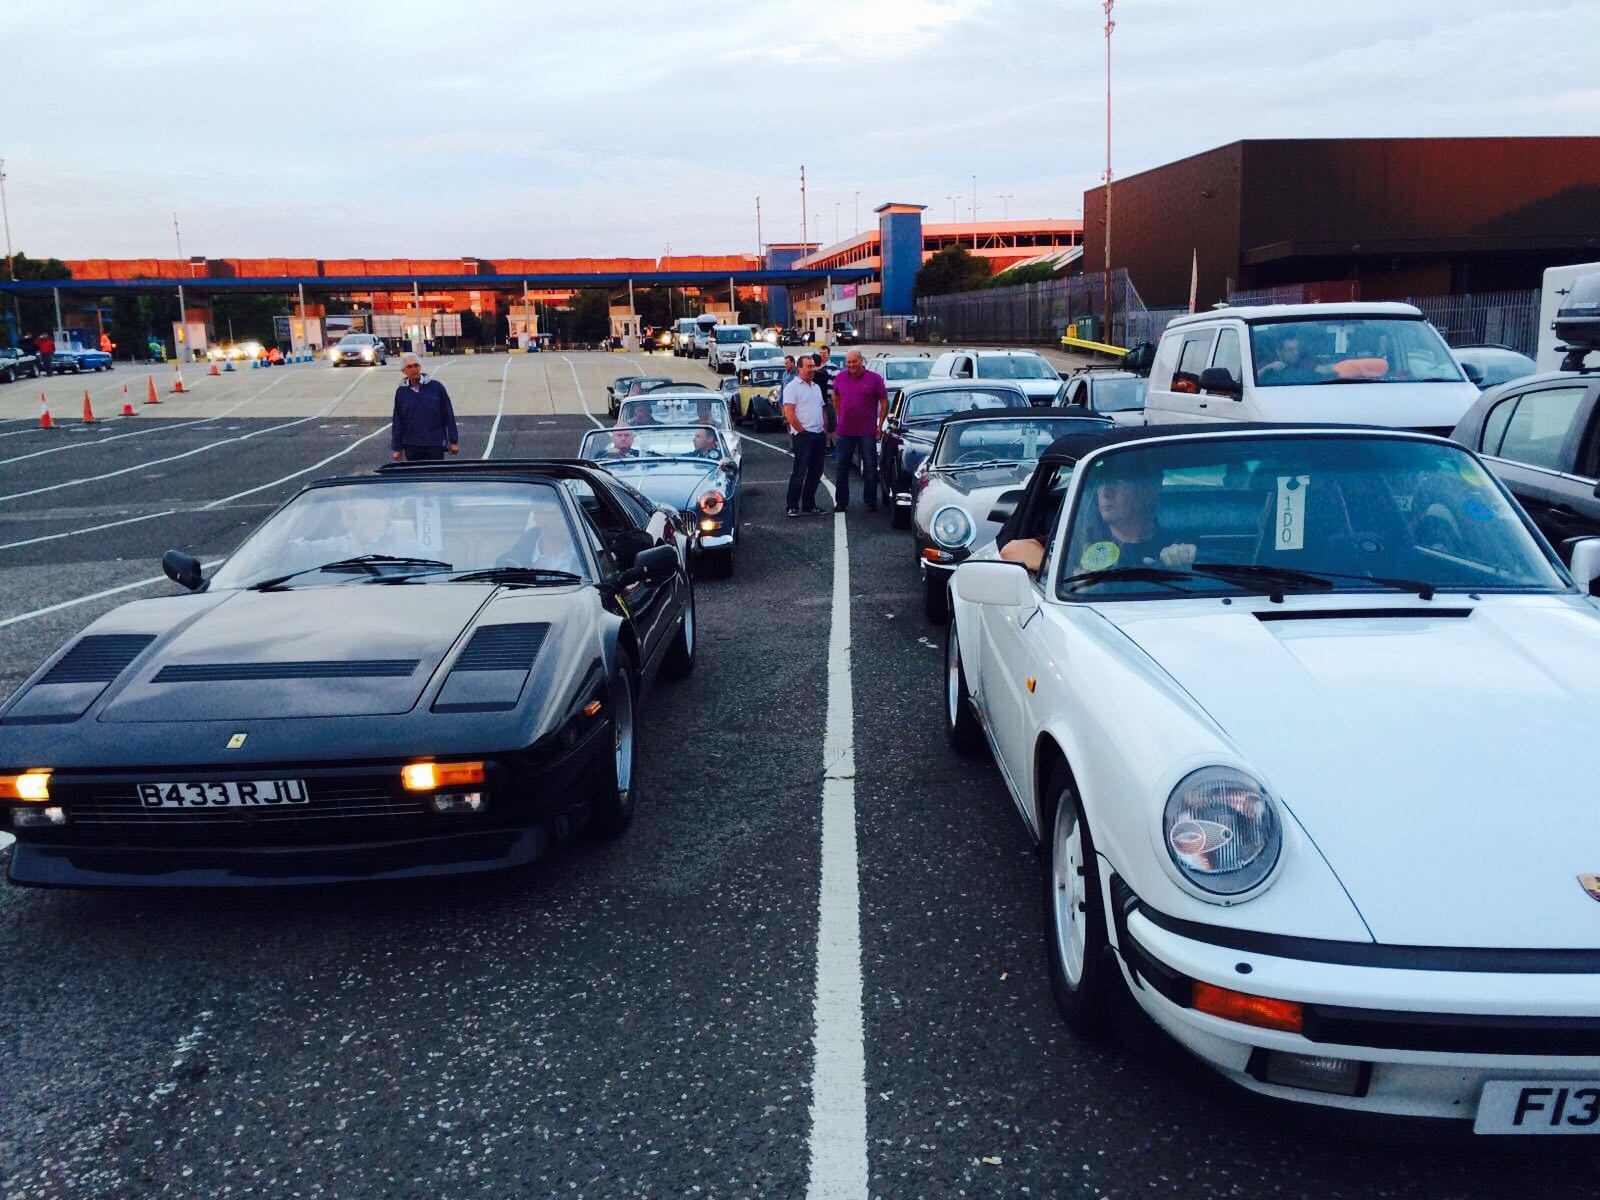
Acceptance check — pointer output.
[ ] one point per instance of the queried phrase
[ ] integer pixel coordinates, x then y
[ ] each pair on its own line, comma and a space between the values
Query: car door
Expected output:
1077, 394
651, 606
1224, 405
1532, 439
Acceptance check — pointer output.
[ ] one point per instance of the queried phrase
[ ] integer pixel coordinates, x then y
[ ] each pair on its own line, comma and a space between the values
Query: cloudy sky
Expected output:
611, 127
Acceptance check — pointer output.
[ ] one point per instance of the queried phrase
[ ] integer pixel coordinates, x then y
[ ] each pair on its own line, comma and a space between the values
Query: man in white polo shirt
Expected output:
802, 409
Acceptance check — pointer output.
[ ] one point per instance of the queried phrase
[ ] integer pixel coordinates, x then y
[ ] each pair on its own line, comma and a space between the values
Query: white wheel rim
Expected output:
623, 727
952, 678
1069, 887
688, 624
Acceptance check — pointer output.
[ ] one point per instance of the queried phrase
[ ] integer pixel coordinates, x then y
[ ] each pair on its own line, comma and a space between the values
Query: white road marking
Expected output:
296, 474
124, 587
243, 437
582, 399
495, 428
746, 437
50, 537
838, 1142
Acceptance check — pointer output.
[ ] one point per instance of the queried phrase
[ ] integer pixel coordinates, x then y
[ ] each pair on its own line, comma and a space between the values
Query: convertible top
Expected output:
1031, 413
1073, 446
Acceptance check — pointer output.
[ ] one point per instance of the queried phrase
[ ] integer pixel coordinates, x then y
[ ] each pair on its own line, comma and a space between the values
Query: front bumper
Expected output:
1426, 1038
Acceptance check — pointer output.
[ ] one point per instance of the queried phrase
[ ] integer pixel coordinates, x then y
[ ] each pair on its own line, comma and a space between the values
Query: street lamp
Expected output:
1005, 205
953, 199
857, 218
11, 269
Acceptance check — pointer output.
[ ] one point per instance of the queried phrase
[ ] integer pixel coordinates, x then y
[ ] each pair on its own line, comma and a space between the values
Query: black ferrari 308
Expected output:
434, 669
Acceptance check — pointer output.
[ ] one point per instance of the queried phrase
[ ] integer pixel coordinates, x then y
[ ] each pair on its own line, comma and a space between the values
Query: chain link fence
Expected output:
1038, 313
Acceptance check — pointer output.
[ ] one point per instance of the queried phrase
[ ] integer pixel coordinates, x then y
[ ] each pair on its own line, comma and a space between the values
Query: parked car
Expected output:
756, 354
1108, 392
913, 425
77, 360
1490, 366
757, 395
633, 385
15, 365
724, 344
293, 720
898, 370
1541, 436
844, 334
793, 335
689, 468
1027, 368
971, 482
1258, 712
358, 349
1373, 364
683, 404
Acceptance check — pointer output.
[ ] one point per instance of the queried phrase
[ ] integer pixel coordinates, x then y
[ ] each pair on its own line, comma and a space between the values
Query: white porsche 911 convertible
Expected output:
1300, 718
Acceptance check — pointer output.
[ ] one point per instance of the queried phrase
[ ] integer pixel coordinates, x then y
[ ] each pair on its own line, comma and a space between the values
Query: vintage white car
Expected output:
1301, 719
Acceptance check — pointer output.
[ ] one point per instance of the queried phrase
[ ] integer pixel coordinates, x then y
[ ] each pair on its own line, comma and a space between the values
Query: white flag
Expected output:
1194, 279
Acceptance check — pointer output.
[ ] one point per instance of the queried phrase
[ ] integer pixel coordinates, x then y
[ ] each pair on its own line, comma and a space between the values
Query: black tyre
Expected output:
679, 662
611, 790
899, 515
1074, 912
961, 726
10, 375
935, 598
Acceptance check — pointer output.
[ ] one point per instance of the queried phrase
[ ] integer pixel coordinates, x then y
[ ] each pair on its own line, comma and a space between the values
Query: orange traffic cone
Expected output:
88, 412
213, 370
177, 384
44, 413
152, 398
127, 404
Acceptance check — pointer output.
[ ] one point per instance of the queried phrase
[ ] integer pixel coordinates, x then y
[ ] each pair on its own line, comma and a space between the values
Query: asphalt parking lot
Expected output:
628, 1019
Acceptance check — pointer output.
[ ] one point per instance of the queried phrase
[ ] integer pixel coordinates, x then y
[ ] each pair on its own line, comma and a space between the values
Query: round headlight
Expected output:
1222, 830
711, 503
951, 527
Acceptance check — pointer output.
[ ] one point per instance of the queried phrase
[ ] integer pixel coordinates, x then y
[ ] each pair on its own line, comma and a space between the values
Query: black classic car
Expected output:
17, 364
913, 425
435, 669
981, 459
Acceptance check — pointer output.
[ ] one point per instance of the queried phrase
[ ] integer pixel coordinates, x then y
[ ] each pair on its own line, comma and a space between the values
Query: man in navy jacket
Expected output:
424, 422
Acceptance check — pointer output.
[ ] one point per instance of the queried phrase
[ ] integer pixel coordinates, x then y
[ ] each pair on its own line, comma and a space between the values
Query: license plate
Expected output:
1546, 1106
244, 793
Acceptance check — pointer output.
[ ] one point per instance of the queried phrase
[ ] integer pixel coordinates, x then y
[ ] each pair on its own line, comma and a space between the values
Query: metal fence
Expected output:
1037, 313
1473, 318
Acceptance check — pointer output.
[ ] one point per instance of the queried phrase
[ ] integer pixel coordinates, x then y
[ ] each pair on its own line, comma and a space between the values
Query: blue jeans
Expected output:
807, 473
846, 447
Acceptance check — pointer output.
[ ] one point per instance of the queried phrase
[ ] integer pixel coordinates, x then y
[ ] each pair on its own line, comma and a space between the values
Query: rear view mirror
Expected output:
1004, 583
183, 569
1219, 381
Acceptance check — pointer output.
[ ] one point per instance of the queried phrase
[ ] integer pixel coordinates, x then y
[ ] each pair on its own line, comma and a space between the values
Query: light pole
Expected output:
11, 268
183, 311
836, 204
1005, 205
952, 200
857, 219
1110, 25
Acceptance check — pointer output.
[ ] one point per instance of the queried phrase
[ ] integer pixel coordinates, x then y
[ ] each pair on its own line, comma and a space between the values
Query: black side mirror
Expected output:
626, 545
182, 569
655, 565
1219, 381
1004, 508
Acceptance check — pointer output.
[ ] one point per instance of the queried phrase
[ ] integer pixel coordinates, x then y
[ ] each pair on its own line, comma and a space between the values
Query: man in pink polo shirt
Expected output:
862, 405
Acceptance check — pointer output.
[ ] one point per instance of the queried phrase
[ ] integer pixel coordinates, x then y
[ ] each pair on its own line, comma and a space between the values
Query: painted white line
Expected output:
498, 412
126, 587
582, 399
838, 1142
748, 437
117, 437
296, 474
244, 437
51, 537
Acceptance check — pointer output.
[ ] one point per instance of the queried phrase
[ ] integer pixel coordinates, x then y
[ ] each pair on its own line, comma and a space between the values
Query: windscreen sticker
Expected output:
1478, 510
1291, 523
1100, 556
429, 535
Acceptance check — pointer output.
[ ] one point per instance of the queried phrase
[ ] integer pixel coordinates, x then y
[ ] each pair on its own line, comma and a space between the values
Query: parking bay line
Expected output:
51, 537
296, 474
100, 595
500, 411
838, 1138
582, 399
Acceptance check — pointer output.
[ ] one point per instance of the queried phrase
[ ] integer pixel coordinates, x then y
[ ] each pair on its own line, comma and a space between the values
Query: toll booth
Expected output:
625, 327
522, 326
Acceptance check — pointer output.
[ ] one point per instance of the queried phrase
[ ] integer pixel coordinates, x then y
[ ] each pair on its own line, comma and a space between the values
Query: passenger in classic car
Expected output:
621, 445
369, 527
545, 544
705, 443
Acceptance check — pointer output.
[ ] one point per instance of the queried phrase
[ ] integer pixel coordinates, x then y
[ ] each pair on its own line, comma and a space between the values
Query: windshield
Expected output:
1365, 513
469, 525
763, 353
728, 336
910, 368
707, 408
358, 341
938, 404
1008, 439
636, 443
1015, 366
1118, 395
1350, 350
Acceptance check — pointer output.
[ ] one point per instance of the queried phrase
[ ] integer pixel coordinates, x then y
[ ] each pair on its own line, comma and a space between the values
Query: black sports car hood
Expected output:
669, 481
300, 653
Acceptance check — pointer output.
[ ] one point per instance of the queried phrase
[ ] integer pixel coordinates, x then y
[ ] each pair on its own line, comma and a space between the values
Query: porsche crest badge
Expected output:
237, 740
1590, 884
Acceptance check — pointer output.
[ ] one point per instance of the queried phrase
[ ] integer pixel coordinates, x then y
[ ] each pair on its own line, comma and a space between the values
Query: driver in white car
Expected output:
1123, 530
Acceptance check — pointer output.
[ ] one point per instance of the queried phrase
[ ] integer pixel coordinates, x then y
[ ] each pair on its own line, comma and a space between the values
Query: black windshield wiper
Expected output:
1321, 581
990, 462
517, 576
1131, 575
364, 562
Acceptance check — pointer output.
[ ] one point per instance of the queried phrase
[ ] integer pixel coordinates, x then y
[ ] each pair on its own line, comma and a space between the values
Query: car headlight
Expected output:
1222, 830
367, 354
711, 503
951, 527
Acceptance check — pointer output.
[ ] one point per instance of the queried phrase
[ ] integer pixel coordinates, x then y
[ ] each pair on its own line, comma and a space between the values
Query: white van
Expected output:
1558, 283
1362, 364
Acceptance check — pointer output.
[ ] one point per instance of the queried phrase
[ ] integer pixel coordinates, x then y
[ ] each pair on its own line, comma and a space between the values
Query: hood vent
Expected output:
370, 668
503, 647
99, 658
1362, 614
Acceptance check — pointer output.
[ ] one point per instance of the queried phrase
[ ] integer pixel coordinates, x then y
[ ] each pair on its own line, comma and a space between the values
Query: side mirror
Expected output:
627, 545
1219, 381
1586, 561
182, 569
729, 466
655, 565
1473, 372
1005, 583
1003, 510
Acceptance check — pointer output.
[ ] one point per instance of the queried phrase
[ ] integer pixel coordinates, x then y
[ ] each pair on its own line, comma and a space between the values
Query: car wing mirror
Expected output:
729, 466
1003, 583
1585, 561
1219, 381
1004, 509
655, 565
183, 569
1473, 372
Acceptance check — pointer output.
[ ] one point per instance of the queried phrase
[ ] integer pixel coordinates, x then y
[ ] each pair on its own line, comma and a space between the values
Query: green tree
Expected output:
249, 316
36, 311
953, 269
471, 328
589, 315
1032, 273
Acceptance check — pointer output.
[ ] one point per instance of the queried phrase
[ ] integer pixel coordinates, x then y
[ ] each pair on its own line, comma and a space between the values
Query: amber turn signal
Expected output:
1260, 1011
30, 785
426, 776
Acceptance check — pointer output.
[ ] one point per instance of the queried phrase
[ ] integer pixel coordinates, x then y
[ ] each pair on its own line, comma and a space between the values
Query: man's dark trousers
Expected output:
845, 447
424, 453
809, 449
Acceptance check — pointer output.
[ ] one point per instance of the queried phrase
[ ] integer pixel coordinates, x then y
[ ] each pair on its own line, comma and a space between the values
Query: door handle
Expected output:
1563, 514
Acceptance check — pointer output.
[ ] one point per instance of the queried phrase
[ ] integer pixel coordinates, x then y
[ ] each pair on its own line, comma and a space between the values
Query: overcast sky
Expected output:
564, 129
